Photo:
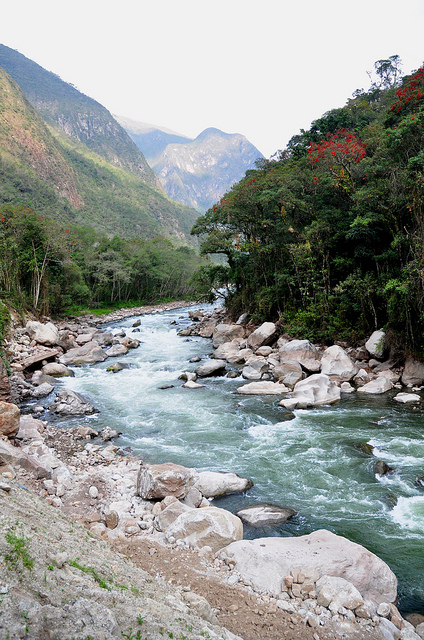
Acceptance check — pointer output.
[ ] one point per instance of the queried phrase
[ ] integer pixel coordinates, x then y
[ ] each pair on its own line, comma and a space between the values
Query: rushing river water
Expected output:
309, 460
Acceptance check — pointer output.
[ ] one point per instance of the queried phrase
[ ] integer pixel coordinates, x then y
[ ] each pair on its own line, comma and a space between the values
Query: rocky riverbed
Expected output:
161, 516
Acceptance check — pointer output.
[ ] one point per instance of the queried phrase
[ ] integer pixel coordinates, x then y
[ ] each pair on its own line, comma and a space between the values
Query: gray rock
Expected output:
262, 336
211, 526
335, 592
314, 391
168, 479
116, 350
303, 352
262, 515
375, 344
87, 354
212, 484
43, 390
57, 370
376, 386
225, 333
71, 403
46, 334
210, 368
336, 364
262, 387
265, 561
413, 373
405, 398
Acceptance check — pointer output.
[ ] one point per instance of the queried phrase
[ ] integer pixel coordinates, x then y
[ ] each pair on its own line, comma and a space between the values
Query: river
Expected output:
309, 461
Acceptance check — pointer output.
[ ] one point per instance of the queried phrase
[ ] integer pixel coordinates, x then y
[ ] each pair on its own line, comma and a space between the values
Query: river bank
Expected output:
85, 457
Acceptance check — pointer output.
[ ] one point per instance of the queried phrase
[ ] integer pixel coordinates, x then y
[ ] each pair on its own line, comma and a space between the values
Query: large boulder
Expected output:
170, 513
378, 385
303, 352
288, 373
9, 419
314, 391
70, 403
375, 344
212, 527
413, 373
87, 354
46, 334
265, 562
226, 333
265, 515
255, 367
336, 364
210, 368
57, 370
15, 457
116, 350
157, 481
262, 388
263, 335
212, 484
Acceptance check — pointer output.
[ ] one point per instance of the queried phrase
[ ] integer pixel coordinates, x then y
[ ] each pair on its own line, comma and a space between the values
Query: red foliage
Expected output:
342, 146
411, 93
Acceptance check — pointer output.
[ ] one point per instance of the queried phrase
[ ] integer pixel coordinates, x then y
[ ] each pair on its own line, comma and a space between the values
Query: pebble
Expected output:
93, 491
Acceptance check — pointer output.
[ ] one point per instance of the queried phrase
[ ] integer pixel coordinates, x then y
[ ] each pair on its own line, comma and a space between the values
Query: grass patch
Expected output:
90, 571
18, 551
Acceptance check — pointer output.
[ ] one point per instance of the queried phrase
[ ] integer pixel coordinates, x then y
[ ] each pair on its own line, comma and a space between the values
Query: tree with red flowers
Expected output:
338, 152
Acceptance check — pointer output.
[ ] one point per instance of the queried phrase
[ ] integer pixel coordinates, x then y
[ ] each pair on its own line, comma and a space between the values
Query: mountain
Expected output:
194, 172
64, 155
152, 140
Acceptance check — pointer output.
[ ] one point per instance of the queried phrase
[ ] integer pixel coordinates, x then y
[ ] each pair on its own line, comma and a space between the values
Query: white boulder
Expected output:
264, 387
265, 562
46, 334
214, 483
375, 344
213, 527
87, 354
210, 368
336, 364
303, 352
378, 385
314, 391
407, 397
263, 335
226, 333
334, 592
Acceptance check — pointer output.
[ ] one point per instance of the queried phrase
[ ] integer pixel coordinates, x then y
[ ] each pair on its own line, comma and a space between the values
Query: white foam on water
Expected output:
409, 513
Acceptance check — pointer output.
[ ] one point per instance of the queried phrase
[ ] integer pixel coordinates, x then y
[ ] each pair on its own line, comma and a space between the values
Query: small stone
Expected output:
383, 610
93, 491
111, 519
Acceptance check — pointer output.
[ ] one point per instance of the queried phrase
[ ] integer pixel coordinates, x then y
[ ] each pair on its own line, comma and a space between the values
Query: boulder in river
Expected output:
262, 388
157, 481
210, 368
116, 350
212, 527
265, 562
381, 468
405, 398
212, 484
70, 403
376, 386
57, 370
87, 354
314, 391
265, 515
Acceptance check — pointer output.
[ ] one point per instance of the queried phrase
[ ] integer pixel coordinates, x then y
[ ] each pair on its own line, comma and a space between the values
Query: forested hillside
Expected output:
328, 235
77, 165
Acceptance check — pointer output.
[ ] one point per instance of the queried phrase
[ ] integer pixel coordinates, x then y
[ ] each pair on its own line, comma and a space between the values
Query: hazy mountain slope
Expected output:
199, 172
58, 176
79, 116
152, 140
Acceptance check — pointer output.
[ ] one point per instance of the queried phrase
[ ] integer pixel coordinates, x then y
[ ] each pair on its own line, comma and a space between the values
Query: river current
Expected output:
309, 460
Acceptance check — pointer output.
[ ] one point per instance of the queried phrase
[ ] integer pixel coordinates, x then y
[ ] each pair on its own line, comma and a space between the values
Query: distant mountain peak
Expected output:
195, 172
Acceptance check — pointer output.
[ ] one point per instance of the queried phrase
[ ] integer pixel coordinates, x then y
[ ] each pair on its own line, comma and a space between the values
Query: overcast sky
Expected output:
264, 68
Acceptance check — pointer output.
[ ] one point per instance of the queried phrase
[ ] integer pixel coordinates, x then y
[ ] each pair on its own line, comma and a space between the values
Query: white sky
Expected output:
263, 68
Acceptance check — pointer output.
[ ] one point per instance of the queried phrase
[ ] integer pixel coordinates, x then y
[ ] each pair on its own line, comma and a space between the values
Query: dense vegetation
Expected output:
327, 236
50, 269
